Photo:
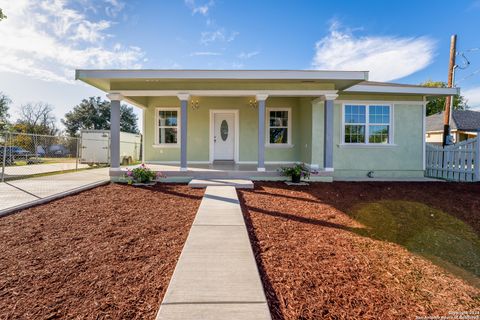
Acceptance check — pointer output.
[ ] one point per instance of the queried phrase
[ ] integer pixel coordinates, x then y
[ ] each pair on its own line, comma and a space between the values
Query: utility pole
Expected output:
449, 99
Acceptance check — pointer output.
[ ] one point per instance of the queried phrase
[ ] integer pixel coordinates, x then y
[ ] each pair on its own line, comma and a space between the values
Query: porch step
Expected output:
237, 183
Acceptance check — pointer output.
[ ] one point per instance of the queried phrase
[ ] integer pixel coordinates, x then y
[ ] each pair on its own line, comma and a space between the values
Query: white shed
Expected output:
95, 147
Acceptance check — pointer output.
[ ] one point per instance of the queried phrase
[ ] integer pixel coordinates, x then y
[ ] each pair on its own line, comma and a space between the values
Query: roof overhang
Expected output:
223, 74
396, 89
187, 80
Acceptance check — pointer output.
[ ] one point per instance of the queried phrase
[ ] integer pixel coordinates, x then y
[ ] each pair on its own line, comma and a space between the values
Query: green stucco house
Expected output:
247, 123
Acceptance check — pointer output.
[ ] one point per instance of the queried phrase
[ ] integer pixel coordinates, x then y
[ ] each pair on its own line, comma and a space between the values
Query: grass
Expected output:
431, 233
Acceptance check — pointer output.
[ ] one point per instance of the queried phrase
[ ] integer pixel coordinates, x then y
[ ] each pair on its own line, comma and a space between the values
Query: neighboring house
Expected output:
464, 125
334, 121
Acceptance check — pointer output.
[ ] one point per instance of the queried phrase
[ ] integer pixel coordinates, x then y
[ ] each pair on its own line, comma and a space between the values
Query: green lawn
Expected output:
429, 232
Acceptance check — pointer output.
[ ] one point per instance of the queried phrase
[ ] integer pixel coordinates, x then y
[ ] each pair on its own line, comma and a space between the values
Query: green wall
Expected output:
199, 127
404, 159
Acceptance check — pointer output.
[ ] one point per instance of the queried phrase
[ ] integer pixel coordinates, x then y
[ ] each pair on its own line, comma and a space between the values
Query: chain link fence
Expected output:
24, 155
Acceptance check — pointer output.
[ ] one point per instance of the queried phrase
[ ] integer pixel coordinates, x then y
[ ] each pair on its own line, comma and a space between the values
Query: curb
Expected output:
11, 210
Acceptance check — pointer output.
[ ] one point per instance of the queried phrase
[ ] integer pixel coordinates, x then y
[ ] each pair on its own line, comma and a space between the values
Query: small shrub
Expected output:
142, 174
298, 170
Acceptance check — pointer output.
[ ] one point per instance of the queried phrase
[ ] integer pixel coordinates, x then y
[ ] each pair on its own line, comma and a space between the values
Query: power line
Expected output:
466, 63
468, 76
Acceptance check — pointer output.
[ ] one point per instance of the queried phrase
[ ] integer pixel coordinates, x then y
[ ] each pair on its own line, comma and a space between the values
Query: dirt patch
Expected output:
337, 250
107, 253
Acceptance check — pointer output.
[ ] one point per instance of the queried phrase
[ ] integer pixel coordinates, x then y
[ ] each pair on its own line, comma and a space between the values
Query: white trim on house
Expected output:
157, 143
144, 116
367, 145
166, 145
424, 133
403, 102
226, 93
222, 74
402, 90
211, 134
268, 162
174, 162
391, 131
289, 128
208, 162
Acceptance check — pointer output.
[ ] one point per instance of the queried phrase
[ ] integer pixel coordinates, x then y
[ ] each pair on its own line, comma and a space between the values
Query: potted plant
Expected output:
296, 172
142, 175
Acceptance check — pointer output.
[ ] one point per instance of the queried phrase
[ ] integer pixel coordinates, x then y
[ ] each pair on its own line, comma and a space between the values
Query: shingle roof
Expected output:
465, 120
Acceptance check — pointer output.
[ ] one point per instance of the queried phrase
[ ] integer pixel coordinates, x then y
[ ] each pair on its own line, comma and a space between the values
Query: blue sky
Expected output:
43, 41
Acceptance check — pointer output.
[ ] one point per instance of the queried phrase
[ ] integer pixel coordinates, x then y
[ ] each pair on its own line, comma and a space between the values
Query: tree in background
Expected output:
2, 15
4, 106
36, 118
94, 113
437, 104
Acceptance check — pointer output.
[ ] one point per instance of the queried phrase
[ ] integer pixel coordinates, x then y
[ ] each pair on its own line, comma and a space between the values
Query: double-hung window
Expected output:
278, 126
168, 126
367, 124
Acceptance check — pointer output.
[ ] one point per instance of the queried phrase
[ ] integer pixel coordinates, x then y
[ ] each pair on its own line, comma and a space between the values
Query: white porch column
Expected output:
261, 98
115, 100
328, 133
183, 97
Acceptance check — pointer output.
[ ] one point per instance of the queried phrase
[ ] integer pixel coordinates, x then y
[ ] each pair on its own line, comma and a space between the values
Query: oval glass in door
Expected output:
224, 130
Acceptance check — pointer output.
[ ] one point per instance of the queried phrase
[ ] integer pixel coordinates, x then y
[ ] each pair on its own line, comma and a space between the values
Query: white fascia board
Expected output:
223, 74
226, 93
404, 90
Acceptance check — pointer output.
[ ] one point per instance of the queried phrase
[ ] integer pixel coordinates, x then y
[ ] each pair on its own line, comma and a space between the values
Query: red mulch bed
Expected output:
107, 253
314, 267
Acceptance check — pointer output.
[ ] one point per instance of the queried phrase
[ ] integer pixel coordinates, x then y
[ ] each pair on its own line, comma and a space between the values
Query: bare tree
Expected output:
37, 118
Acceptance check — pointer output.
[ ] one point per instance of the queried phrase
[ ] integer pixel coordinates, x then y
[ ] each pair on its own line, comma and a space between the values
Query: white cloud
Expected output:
472, 96
205, 53
219, 35
201, 9
47, 40
247, 55
386, 57
114, 7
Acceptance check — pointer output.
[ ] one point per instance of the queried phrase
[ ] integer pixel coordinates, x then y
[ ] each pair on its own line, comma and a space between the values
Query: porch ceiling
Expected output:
108, 80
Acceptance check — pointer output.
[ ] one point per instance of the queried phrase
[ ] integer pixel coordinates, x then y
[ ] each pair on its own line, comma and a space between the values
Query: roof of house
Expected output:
347, 81
464, 120
400, 88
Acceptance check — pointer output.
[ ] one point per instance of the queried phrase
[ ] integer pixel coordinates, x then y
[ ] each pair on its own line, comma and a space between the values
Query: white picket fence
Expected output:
458, 162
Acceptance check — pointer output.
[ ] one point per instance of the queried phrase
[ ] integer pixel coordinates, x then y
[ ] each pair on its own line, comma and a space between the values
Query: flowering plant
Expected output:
142, 174
296, 172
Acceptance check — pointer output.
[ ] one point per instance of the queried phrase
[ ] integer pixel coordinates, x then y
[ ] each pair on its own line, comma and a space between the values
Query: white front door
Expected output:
224, 136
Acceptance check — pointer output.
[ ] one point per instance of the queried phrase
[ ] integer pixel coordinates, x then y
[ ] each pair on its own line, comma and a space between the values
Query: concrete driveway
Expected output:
22, 193
31, 169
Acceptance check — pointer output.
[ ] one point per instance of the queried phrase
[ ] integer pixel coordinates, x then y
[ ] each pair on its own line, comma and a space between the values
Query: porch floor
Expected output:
216, 166
229, 170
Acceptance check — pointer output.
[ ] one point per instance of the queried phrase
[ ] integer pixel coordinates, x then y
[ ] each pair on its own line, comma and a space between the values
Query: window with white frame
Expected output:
167, 126
367, 123
278, 126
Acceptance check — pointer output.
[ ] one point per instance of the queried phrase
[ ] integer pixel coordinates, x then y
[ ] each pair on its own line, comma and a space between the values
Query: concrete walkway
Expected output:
237, 183
216, 276
20, 194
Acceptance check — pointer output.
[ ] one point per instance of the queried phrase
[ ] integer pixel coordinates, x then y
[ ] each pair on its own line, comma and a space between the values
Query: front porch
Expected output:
228, 170
257, 119
187, 131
